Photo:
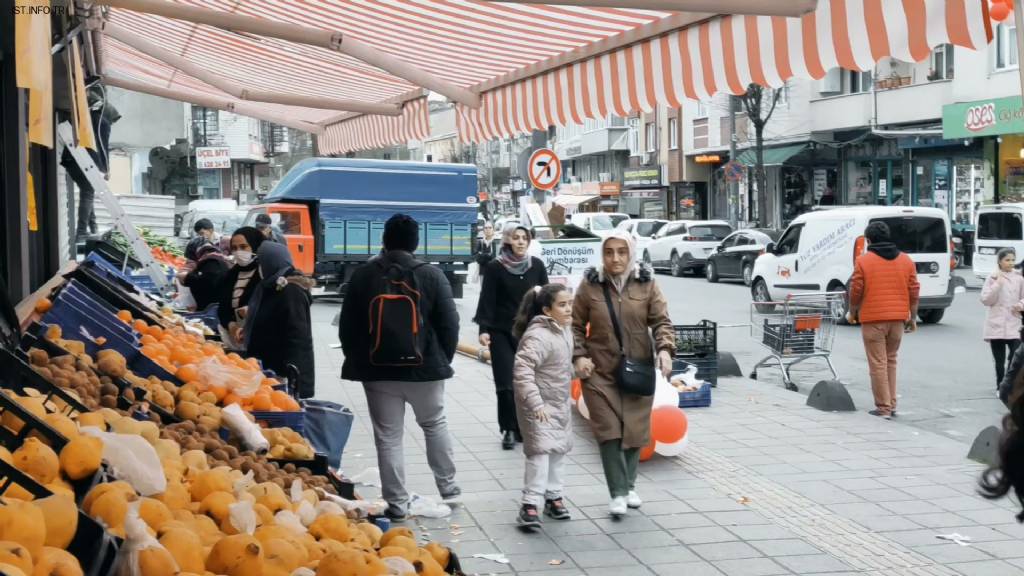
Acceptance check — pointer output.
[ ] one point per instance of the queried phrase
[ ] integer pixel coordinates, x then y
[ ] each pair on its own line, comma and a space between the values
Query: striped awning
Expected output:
726, 54
534, 65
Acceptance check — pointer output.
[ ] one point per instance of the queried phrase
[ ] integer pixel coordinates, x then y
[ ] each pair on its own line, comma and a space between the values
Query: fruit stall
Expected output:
132, 443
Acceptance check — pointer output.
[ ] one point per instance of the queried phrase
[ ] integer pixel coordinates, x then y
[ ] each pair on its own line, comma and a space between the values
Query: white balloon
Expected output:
664, 393
581, 405
674, 449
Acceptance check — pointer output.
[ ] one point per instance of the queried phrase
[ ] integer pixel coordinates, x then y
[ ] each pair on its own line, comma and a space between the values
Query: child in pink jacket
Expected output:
1003, 294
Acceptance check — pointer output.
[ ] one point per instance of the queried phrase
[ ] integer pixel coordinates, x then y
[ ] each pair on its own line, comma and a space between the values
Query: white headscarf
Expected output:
619, 281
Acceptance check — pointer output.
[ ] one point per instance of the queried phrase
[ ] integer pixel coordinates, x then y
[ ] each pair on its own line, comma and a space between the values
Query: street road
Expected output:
946, 375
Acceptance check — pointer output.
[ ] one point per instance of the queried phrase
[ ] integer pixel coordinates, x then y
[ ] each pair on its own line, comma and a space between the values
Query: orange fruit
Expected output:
140, 326
155, 330
125, 316
262, 402
219, 391
290, 405
187, 373
229, 399
44, 305
268, 383
147, 339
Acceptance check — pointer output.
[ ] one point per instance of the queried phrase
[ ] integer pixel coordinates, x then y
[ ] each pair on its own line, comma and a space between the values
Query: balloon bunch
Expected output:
1000, 9
669, 425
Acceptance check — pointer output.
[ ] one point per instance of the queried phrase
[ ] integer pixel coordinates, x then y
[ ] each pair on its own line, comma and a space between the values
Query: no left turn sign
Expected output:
545, 169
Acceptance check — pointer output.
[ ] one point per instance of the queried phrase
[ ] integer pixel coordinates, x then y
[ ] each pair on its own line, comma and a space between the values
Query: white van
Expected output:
998, 226
817, 252
599, 223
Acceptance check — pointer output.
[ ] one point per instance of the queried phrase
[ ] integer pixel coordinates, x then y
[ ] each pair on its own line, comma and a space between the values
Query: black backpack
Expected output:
397, 337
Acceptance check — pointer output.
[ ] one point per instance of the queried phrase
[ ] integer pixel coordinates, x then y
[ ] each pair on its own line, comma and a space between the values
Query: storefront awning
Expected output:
573, 200
772, 156
510, 67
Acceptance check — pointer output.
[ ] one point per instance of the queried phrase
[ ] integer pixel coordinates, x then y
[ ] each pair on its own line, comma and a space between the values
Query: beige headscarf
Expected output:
619, 282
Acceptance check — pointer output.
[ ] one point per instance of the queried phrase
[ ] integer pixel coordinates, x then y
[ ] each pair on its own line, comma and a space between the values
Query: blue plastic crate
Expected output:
700, 398
294, 420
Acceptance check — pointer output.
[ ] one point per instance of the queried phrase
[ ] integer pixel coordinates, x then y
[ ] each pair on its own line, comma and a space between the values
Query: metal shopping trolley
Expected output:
801, 327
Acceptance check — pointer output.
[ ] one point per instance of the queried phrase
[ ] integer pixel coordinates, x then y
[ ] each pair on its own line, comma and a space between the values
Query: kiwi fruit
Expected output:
108, 401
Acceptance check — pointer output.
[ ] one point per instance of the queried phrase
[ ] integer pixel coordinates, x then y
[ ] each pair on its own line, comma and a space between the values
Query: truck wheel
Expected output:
931, 316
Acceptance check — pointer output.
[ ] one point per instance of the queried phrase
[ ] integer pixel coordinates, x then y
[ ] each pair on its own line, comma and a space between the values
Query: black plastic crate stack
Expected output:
697, 344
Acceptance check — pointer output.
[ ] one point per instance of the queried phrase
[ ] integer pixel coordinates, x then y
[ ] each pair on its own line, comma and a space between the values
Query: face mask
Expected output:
243, 257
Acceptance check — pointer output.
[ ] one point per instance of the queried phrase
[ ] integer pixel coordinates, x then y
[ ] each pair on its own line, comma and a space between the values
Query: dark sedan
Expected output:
734, 257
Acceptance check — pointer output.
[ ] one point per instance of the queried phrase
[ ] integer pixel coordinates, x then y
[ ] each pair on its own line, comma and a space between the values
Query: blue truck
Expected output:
332, 213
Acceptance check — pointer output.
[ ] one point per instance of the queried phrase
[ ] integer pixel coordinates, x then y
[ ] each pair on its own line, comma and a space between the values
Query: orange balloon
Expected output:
668, 424
999, 12
647, 451
577, 389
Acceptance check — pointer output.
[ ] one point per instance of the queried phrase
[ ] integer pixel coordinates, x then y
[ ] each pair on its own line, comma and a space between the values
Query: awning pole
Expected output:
225, 104
241, 92
1018, 18
336, 41
787, 8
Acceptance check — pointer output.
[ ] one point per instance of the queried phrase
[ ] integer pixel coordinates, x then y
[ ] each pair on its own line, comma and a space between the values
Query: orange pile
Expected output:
178, 352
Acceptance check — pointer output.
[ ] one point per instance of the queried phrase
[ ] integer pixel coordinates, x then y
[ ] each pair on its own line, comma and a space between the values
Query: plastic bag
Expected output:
303, 571
249, 433
428, 508
132, 459
368, 477
241, 382
242, 516
398, 566
290, 520
330, 502
185, 300
137, 539
303, 508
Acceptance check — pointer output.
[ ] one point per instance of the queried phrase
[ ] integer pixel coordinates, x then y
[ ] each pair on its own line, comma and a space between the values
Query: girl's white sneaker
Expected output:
633, 500
617, 507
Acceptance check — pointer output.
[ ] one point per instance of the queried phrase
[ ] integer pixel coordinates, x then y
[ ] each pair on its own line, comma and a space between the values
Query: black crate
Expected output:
318, 466
786, 340
696, 339
17, 375
707, 366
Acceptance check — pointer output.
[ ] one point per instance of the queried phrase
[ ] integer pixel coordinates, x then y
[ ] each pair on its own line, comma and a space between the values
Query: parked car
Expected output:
735, 256
225, 215
818, 250
684, 245
642, 230
999, 226
600, 223
617, 218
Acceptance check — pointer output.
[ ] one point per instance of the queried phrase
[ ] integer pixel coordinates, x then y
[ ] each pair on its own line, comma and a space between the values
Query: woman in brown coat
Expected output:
621, 422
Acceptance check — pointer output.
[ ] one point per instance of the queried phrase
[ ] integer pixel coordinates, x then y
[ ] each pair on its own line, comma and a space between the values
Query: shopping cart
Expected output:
801, 327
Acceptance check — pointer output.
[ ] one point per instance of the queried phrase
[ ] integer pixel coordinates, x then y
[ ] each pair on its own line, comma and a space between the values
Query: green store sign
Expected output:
983, 118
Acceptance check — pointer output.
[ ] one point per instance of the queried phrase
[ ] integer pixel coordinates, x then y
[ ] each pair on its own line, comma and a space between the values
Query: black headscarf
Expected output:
275, 262
253, 236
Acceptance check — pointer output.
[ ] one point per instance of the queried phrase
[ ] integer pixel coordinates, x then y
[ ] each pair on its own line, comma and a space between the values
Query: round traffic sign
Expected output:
545, 169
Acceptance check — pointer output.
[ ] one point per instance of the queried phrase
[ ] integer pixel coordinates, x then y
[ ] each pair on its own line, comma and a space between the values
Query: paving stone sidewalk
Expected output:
768, 486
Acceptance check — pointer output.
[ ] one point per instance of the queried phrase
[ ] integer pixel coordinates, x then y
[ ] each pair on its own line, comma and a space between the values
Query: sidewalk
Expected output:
768, 486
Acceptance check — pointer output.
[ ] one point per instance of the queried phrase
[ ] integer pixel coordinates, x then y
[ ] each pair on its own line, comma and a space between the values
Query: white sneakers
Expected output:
633, 500
617, 507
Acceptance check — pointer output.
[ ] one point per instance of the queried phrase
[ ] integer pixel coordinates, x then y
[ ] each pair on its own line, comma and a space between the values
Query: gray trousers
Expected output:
386, 401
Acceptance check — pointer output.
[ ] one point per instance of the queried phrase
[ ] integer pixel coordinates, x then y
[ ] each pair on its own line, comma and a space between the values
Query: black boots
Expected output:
508, 440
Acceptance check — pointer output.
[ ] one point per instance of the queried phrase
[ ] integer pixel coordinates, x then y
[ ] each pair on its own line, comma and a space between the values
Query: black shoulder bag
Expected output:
635, 377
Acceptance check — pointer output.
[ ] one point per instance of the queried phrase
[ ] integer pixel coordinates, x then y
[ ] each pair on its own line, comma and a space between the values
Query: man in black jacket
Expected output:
388, 388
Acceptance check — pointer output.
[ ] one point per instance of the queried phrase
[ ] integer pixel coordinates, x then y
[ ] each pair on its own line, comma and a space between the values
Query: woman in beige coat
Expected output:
542, 378
621, 422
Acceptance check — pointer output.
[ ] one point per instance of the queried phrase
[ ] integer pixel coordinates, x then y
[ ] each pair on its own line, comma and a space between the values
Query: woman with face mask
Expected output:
507, 278
238, 285
640, 331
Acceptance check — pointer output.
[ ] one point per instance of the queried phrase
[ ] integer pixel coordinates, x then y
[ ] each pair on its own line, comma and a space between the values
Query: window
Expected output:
702, 109
1006, 46
647, 229
942, 63
1000, 226
790, 242
732, 241
634, 136
858, 82
204, 124
710, 232
917, 234
673, 133
651, 136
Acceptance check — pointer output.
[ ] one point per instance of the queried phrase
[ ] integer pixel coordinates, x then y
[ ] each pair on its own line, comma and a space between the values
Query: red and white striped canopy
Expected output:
475, 44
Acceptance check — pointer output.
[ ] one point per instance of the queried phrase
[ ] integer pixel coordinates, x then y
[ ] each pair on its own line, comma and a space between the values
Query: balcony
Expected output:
596, 142
898, 103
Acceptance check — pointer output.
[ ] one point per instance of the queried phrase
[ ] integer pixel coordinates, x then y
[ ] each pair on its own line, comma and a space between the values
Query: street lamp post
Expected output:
734, 186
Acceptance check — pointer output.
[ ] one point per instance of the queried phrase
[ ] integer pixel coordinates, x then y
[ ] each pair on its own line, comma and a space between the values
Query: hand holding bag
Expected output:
635, 377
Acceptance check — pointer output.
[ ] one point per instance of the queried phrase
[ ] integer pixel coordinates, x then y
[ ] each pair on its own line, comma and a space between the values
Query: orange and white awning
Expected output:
524, 66
726, 54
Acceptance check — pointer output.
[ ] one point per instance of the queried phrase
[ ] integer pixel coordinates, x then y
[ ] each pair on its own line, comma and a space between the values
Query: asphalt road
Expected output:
946, 375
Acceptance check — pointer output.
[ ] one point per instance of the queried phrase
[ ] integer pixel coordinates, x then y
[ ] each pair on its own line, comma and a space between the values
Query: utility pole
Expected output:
734, 186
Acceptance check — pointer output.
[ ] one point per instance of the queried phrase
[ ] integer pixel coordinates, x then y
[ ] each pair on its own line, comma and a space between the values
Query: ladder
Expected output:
140, 249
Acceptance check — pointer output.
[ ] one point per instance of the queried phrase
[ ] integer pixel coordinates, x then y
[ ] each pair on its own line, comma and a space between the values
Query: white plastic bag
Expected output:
249, 433
136, 540
329, 503
242, 516
428, 508
368, 477
290, 520
398, 566
303, 508
132, 459
242, 383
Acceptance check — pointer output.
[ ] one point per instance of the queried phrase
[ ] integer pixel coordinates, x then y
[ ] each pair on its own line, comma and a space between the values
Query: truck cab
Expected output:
332, 211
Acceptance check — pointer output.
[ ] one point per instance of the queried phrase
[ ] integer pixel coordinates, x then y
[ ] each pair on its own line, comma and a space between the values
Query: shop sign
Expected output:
650, 177
820, 183
883, 188
573, 150
644, 193
213, 157
940, 189
983, 118
610, 188
708, 159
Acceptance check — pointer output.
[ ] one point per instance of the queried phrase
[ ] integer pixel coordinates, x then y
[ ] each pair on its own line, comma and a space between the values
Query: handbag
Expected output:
635, 377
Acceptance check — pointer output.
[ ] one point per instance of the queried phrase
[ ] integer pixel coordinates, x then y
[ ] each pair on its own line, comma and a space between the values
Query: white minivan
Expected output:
998, 226
817, 252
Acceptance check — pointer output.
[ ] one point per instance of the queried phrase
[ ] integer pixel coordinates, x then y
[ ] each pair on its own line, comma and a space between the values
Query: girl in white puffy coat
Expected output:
1003, 294
542, 379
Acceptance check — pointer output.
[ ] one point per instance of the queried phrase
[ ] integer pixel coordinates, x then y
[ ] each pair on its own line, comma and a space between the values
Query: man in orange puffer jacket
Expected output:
883, 298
